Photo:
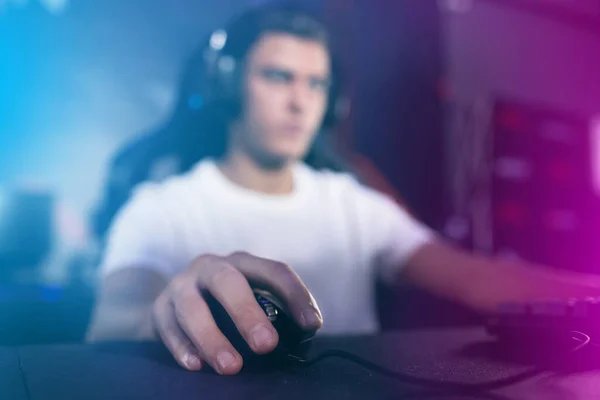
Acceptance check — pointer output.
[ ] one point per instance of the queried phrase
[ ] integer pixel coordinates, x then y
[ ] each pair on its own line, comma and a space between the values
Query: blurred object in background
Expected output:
521, 181
149, 158
595, 154
468, 164
26, 232
33, 307
544, 207
397, 62
44, 313
580, 13
79, 79
542, 58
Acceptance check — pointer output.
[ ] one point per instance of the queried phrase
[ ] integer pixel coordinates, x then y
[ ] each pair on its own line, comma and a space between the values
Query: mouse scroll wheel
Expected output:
269, 308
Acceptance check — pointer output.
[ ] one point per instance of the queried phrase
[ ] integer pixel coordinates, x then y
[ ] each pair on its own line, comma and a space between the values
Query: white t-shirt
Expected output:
334, 232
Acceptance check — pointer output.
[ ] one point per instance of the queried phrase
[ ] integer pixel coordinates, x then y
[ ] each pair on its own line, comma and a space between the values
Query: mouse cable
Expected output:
435, 384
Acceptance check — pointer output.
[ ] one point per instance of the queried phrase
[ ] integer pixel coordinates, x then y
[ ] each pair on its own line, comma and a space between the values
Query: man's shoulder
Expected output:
344, 191
175, 186
327, 178
337, 183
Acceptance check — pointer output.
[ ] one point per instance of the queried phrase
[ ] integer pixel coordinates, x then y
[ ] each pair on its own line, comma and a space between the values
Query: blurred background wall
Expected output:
540, 59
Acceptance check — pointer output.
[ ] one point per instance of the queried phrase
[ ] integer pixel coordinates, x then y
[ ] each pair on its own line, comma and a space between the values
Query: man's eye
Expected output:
276, 76
320, 84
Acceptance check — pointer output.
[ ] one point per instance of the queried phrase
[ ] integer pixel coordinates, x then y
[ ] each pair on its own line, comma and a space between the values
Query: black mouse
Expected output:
293, 340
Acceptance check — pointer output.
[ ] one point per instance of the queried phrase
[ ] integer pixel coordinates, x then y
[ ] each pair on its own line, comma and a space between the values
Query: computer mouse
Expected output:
293, 340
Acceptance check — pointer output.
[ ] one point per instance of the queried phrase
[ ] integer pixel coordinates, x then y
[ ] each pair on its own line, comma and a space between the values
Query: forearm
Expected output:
499, 282
483, 283
112, 322
124, 306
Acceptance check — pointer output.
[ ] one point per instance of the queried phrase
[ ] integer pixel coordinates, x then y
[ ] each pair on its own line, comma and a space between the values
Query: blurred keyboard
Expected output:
544, 319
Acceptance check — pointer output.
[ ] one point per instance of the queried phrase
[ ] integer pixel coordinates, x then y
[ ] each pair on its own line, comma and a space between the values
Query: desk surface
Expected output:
146, 370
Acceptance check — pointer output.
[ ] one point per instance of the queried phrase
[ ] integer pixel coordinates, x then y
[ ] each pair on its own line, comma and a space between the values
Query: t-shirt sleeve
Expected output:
394, 235
140, 237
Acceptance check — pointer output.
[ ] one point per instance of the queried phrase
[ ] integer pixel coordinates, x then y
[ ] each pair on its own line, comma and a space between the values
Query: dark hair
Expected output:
202, 128
247, 28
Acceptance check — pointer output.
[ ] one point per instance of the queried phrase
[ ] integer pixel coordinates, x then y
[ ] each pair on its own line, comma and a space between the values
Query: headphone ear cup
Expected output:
226, 78
224, 86
338, 109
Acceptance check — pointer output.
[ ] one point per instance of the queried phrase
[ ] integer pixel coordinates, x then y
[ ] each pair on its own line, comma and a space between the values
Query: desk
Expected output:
146, 371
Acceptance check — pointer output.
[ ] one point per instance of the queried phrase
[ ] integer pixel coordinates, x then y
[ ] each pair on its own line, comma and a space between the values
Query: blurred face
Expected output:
286, 90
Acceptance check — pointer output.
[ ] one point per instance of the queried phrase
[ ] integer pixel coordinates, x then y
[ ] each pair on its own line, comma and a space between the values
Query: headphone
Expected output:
222, 64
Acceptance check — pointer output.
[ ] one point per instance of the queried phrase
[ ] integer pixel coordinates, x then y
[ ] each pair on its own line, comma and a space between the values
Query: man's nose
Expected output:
299, 97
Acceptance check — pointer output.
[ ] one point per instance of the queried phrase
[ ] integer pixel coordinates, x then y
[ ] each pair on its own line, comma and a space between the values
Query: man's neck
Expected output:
246, 172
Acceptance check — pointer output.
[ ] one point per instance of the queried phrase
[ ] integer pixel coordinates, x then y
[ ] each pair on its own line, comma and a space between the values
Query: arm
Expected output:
483, 283
124, 306
137, 264
406, 248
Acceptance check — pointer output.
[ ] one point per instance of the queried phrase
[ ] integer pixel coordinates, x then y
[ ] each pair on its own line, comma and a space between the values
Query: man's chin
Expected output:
278, 160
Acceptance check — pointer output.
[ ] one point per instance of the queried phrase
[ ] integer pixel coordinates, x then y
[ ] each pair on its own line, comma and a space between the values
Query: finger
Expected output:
180, 346
231, 289
284, 283
195, 319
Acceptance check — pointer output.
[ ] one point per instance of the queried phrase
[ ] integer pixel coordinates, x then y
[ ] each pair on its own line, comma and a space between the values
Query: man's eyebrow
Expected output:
326, 77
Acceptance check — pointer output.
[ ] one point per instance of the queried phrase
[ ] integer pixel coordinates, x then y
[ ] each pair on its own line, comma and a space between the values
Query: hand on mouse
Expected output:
184, 322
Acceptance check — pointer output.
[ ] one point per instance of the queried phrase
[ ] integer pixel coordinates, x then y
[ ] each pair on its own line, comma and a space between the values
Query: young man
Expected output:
257, 214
